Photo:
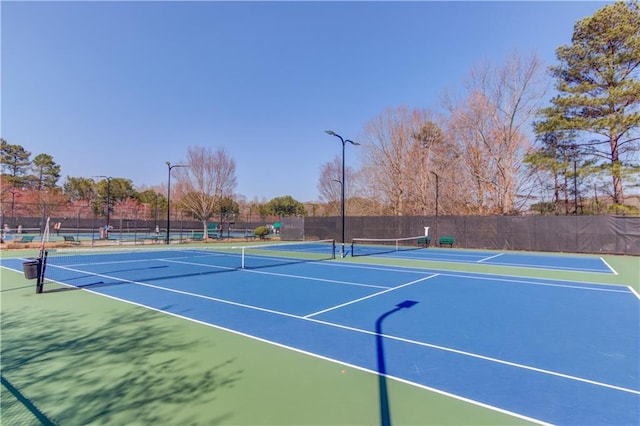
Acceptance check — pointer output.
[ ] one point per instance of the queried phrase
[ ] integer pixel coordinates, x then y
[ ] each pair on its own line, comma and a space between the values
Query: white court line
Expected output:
424, 344
490, 257
608, 266
581, 285
433, 257
172, 290
252, 271
111, 262
370, 296
577, 287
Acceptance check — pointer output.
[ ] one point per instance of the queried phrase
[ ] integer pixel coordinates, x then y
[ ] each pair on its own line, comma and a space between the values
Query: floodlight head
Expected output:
352, 142
168, 163
331, 132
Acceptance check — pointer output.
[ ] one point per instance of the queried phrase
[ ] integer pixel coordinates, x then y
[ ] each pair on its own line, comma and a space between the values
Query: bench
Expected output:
197, 237
424, 241
70, 239
26, 239
446, 241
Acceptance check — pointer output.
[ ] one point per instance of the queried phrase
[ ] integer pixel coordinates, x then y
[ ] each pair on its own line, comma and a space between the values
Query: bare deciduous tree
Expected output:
209, 177
393, 151
490, 129
330, 186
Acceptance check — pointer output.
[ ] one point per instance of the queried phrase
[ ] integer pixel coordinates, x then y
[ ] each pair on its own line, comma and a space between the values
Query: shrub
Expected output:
261, 232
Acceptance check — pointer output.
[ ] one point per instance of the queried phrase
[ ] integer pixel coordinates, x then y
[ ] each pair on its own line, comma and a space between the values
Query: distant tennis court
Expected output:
408, 249
540, 349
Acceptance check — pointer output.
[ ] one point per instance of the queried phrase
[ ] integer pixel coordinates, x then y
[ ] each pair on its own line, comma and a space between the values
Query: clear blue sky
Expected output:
118, 88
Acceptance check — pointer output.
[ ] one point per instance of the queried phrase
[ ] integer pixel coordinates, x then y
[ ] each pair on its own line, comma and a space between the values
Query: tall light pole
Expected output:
342, 183
430, 134
435, 237
169, 166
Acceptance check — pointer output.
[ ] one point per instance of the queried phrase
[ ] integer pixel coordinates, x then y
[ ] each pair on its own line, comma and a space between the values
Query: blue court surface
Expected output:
564, 262
550, 351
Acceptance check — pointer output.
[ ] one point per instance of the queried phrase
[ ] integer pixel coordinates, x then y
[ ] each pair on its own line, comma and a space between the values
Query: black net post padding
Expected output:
42, 265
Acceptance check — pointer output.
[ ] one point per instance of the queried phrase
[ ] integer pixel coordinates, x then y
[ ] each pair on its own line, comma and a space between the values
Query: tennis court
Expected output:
407, 248
545, 350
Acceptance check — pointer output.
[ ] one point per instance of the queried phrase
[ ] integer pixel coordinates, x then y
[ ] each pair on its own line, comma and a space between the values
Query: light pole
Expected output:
169, 166
435, 237
342, 183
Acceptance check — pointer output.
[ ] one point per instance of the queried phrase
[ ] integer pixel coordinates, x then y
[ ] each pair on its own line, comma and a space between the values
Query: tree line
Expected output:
494, 147
203, 190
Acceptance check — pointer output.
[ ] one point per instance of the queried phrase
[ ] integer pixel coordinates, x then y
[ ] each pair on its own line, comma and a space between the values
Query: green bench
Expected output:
26, 239
424, 241
70, 239
446, 241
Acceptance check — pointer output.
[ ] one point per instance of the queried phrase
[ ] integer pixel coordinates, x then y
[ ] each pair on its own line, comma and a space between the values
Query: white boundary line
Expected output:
514, 265
489, 258
253, 271
418, 270
608, 266
633, 290
370, 296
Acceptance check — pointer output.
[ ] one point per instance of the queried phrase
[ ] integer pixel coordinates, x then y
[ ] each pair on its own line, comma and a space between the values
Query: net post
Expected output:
333, 249
352, 247
42, 265
242, 259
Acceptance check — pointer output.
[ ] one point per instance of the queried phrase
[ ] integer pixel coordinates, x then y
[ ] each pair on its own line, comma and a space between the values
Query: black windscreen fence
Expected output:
575, 234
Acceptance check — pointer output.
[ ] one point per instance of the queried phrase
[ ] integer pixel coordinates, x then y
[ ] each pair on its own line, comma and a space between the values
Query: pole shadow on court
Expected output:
385, 414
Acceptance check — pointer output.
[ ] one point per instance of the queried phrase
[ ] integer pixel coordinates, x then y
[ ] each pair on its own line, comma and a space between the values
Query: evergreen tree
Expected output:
285, 206
599, 90
80, 188
45, 172
15, 163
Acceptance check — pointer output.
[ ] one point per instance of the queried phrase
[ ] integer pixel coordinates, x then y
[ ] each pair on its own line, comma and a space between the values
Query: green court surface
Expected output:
71, 357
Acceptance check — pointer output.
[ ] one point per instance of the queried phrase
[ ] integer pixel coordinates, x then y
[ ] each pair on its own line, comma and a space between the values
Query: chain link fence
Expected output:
133, 224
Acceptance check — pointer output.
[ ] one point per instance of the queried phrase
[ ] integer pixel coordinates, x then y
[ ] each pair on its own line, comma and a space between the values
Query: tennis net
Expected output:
106, 260
373, 246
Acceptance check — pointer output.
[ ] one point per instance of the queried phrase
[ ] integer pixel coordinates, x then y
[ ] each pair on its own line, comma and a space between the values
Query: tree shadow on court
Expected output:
383, 394
129, 369
159, 275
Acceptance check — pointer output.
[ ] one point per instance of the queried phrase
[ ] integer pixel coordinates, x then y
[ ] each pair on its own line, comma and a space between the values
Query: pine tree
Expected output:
599, 90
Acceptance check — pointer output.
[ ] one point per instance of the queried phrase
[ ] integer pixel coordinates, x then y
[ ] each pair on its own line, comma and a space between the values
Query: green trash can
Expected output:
31, 269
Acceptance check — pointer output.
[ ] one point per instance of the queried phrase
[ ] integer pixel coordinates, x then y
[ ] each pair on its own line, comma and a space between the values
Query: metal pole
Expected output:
342, 196
108, 201
169, 166
342, 201
168, 203
435, 237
